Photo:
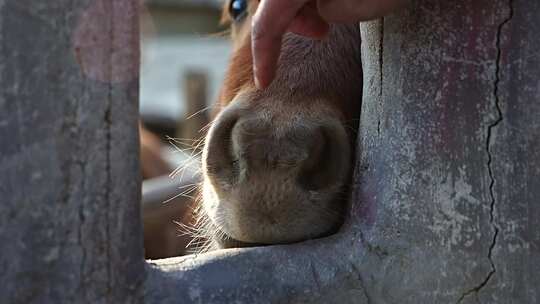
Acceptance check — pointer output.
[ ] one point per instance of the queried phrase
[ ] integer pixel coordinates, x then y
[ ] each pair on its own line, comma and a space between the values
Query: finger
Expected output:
271, 21
356, 10
309, 23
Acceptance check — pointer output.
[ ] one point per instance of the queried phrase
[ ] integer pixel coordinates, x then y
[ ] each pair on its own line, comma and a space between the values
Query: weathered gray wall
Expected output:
451, 137
69, 185
446, 193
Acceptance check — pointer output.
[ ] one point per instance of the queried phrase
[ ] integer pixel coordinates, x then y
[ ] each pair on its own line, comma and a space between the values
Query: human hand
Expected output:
309, 18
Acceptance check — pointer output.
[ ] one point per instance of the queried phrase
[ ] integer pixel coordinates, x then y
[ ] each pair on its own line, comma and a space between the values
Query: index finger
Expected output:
270, 23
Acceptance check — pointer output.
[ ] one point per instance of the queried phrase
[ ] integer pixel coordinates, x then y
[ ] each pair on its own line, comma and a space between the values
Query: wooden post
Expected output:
196, 88
70, 224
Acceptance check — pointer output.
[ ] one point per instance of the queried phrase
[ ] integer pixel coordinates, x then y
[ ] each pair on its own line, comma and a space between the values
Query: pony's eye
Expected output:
238, 9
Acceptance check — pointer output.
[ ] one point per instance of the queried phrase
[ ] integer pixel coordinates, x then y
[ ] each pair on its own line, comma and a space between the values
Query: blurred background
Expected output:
184, 52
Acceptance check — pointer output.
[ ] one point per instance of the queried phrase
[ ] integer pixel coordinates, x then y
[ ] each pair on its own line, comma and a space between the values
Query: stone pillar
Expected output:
448, 183
70, 224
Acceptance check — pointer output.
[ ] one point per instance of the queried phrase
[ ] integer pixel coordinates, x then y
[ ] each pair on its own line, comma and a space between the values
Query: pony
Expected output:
276, 162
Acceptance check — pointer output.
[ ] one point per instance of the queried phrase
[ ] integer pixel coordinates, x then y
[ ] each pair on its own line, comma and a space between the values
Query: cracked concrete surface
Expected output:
362, 285
68, 209
489, 139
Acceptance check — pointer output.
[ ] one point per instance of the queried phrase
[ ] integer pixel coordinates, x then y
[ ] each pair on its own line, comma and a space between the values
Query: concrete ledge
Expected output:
319, 271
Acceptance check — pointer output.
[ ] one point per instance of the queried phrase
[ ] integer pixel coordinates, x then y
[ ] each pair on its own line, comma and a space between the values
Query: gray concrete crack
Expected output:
381, 79
381, 58
315, 275
71, 130
362, 283
497, 121
80, 233
108, 125
108, 196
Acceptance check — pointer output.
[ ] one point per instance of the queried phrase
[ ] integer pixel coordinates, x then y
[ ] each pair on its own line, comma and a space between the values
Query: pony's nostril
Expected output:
324, 165
253, 146
218, 157
244, 148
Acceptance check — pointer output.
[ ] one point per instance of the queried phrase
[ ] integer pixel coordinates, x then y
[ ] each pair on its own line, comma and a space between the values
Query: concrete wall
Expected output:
69, 188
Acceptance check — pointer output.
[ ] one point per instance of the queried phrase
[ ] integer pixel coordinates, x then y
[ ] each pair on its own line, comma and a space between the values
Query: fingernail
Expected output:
257, 83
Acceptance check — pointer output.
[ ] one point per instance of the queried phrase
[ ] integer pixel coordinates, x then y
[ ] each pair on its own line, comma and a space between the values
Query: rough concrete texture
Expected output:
445, 198
321, 271
69, 185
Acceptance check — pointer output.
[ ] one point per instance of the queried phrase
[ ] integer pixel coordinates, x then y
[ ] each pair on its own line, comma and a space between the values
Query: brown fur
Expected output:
239, 75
